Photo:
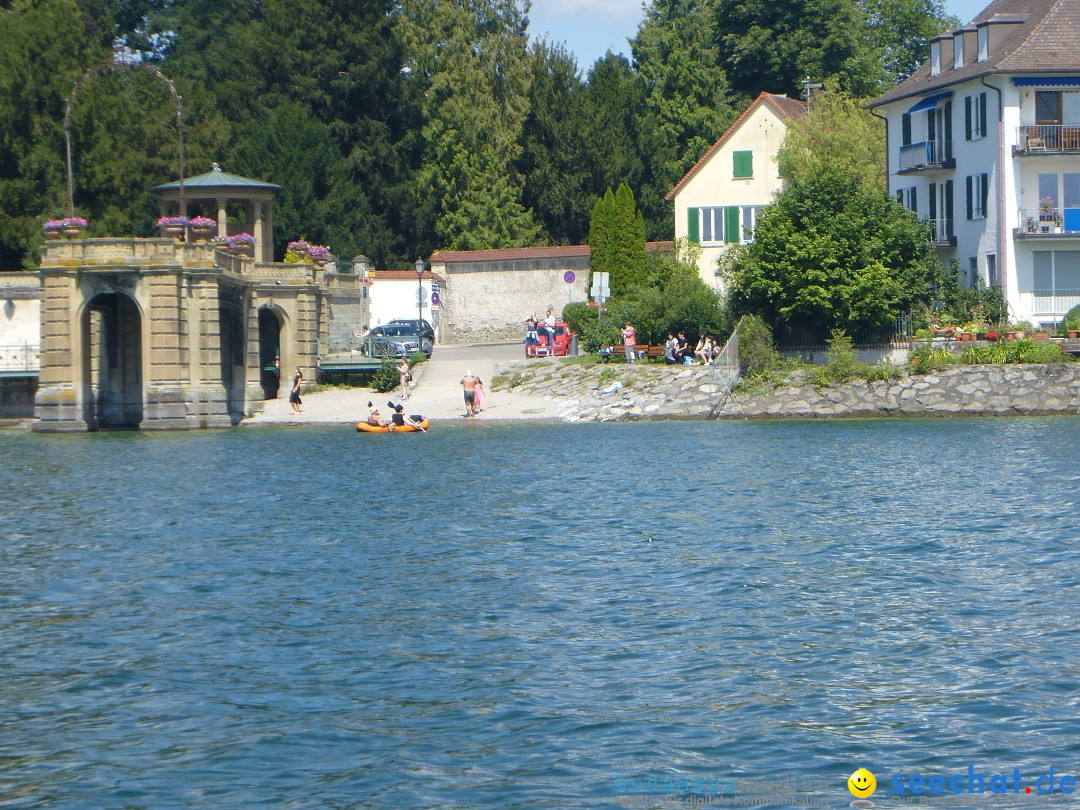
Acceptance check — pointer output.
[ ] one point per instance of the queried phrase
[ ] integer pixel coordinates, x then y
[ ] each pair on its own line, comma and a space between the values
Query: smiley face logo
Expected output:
862, 783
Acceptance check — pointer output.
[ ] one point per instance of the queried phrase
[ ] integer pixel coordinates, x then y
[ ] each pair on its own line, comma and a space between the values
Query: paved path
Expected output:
436, 393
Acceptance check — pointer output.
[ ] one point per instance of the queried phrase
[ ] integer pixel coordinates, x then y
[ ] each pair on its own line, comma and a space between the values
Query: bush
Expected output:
386, 378
843, 364
756, 353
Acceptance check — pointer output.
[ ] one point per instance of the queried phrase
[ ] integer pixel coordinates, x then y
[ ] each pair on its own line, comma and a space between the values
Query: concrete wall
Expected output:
490, 300
20, 321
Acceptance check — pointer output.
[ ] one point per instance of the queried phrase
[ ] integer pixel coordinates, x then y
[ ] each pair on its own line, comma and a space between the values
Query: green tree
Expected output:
44, 49
553, 147
628, 243
686, 102
902, 30
832, 253
837, 132
774, 45
602, 236
472, 60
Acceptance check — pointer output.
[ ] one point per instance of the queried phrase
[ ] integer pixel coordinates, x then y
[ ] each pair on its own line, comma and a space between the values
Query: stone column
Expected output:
268, 228
260, 241
60, 404
222, 217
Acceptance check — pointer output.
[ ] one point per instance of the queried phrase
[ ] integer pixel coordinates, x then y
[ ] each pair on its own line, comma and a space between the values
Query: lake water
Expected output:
504, 616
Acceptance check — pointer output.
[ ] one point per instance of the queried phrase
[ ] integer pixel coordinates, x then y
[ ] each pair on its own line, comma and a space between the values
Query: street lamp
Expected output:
419, 300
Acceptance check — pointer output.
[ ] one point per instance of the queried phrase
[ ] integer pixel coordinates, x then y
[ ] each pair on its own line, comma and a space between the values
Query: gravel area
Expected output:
436, 393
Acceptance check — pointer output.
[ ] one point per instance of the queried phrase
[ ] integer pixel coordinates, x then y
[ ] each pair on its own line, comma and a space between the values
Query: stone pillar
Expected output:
268, 228
222, 217
260, 241
253, 391
60, 404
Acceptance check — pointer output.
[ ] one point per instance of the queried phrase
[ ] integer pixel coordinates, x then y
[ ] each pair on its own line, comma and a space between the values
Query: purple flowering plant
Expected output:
172, 222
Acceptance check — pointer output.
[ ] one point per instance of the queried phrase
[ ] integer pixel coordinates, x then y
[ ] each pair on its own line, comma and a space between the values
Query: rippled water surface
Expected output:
491, 616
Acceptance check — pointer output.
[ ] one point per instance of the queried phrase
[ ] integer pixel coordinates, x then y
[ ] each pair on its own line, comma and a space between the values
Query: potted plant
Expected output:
320, 254
300, 247
992, 335
1022, 328
1046, 213
53, 228
173, 226
73, 226
241, 243
201, 227
1057, 221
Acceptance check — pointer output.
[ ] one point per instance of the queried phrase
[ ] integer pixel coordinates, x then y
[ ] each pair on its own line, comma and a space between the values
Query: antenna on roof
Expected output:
808, 91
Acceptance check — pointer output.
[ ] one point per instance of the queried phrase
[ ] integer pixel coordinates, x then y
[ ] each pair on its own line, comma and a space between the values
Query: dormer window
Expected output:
935, 58
984, 43
958, 51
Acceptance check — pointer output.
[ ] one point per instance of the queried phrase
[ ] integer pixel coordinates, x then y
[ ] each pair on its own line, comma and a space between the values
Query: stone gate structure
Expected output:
161, 334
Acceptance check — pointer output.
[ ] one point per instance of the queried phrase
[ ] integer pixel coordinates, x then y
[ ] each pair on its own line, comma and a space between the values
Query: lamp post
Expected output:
419, 301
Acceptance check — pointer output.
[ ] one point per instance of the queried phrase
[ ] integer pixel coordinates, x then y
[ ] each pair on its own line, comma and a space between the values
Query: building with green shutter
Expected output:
718, 200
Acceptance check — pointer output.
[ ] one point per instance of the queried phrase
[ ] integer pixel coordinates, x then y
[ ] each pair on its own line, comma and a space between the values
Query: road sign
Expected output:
600, 290
435, 299
421, 295
569, 277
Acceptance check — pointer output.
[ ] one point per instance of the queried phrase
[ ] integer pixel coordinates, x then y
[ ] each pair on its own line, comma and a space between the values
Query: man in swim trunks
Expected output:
468, 385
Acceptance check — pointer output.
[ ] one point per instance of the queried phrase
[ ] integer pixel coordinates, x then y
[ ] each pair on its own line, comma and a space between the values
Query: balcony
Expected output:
1039, 223
1053, 303
926, 155
1047, 139
942, 232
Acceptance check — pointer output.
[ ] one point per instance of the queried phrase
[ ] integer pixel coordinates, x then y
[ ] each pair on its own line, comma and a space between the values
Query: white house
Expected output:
984, 142
394, 294
718, 200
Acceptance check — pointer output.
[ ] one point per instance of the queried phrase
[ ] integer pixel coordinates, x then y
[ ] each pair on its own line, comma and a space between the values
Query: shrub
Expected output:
386, 378
843, 364
756, 353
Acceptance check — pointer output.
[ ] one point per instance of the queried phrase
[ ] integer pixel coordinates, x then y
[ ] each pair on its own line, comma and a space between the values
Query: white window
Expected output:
729, 224
910, 199
1056, 272
935, 58
958, 51
984, 43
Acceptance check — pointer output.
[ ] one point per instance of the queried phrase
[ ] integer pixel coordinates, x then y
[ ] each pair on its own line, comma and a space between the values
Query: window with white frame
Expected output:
978, 195
909, 198
975, 117
728, 224
1056, 272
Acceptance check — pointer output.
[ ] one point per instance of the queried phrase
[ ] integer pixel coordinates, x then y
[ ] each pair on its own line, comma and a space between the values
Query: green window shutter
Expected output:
743, 164
985, 194
905, 130
967, 118
915, 199
969, 198
731, 224
982, 112
693, 226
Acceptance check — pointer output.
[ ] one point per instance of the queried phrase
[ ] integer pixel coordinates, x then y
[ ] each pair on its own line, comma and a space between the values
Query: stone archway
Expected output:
270, 325
112, 378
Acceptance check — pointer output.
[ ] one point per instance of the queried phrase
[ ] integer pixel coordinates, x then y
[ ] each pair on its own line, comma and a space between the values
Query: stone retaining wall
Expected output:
957, 391
650, 392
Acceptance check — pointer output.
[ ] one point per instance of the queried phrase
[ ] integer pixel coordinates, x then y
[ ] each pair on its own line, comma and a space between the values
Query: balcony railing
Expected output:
942, 231
22, 357
1048, 138
1054, 302
926, 154
1037, 221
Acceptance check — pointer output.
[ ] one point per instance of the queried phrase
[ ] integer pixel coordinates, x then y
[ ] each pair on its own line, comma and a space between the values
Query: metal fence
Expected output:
725, 371
19, 358
809, 337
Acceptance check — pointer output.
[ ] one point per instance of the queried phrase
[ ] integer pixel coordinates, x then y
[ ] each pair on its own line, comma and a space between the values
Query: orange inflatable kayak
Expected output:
409, 427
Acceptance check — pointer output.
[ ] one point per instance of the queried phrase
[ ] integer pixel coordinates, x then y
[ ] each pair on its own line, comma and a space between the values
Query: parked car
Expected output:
420, 325
399, 339
561, 348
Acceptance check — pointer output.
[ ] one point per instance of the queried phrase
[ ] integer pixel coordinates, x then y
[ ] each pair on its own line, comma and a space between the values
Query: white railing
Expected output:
1048, 138
1054, 303
1049, 220
924, 153
20, 357
942, 230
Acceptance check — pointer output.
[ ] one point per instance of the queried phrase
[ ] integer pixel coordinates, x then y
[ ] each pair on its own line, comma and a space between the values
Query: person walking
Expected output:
629, 336
294, 394
468, 386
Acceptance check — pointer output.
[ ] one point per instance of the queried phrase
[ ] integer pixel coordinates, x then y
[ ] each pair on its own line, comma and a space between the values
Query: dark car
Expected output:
421, 325
399, 339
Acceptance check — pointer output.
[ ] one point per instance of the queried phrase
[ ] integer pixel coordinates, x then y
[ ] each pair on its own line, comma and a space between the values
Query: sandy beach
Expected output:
436, 393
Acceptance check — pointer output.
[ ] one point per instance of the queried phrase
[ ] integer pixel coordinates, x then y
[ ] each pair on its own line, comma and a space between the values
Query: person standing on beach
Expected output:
468, 385
629, 337
406, 377
294, 394
549, 327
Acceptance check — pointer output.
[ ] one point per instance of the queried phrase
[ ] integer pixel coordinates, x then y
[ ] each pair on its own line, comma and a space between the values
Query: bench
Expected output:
641, 351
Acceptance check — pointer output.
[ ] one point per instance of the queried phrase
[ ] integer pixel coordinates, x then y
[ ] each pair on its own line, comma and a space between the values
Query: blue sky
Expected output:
590, 27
